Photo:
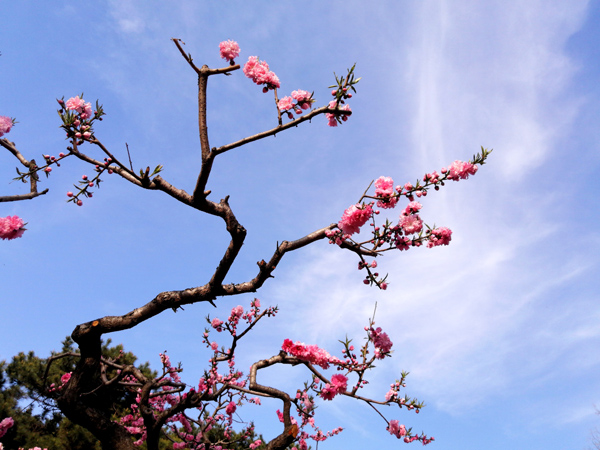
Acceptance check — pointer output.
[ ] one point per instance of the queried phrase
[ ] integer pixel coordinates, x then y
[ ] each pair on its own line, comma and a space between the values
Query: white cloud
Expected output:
466, 319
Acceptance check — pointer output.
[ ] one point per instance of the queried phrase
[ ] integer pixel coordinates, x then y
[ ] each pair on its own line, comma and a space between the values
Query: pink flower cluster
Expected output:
396, 429
255, 444
338, 385
355, 217
303, 101
229, 50
439, 236
460, 170
332, 119
230, 409
384, 188
78, 125
217, 324
80, 106
258, 71
381, 341
5, 425
310, 353
6, 124
11, 227
399, 430
410, 222
409, 231
64, 379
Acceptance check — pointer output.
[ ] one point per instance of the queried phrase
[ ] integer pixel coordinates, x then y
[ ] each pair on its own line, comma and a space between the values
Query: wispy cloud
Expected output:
466, 319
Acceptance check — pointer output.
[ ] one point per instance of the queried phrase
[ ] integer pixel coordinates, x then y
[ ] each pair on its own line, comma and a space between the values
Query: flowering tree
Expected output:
164, 405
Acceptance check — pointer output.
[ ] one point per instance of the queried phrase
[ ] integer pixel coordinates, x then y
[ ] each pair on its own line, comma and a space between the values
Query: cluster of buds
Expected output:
410, 230
85, 184
372, 276
46, 168
64, 379
78, 118
341, 93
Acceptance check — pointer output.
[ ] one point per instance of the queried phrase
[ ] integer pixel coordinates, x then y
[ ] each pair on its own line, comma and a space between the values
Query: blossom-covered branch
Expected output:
163, 403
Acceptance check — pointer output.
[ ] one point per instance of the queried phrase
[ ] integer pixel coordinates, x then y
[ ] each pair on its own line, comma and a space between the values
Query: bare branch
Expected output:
33, 177
280, 128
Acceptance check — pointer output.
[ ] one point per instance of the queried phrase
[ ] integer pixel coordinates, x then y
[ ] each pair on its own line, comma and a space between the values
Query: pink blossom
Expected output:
332, 118
328, 392
411, 224
390, 395
6, 124
87, 111
65, 378
403, 243
255, 444
439, 236
354, 217
396, 429
384, 188
216, 324
340, 382
381, 341
11, 227
460, 170
230, 409
229, 50
258, 71
237, 311
411, 208
285, 103
310, 353
178, 445
214, 346
75, 104
300, 95
5, 425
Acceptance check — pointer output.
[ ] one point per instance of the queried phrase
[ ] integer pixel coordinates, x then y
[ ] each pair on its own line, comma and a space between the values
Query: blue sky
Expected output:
500, 330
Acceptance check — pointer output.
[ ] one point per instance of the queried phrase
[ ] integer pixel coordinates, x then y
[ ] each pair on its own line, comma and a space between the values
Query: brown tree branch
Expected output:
280, 128
33, 177
208, 292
